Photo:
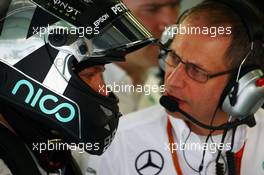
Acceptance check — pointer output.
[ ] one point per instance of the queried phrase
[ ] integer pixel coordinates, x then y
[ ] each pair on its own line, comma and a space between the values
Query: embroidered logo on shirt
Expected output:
149, 162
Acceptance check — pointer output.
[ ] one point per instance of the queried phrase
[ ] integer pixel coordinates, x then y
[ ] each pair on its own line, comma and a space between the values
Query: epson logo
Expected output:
66, 7
40, 100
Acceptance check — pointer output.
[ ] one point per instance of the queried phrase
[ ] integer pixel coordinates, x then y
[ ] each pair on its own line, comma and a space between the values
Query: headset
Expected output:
244, 93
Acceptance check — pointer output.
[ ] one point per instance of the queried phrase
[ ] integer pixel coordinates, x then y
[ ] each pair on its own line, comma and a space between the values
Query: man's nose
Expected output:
176, 76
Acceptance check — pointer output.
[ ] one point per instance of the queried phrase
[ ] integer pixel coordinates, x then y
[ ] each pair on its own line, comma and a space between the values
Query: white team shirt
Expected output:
140, 147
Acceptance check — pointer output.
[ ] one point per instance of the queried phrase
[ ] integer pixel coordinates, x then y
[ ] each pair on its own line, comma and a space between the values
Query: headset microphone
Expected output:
169, 103
173, 106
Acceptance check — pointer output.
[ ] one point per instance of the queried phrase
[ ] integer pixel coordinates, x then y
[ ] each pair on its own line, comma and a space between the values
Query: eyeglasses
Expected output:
193, 71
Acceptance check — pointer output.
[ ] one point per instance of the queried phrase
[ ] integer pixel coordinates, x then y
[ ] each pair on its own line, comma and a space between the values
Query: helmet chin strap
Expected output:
28, 130
4, 123
53, 160
49, 160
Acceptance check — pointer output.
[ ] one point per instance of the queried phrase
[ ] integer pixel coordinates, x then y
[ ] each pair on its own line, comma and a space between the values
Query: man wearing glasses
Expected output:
198, 68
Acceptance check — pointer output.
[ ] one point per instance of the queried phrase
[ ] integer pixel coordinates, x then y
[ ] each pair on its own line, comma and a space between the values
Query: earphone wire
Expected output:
243, 61
204, 151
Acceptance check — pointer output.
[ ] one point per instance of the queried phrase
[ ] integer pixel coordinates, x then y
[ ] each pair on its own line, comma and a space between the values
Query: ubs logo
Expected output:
66, 7
149, 162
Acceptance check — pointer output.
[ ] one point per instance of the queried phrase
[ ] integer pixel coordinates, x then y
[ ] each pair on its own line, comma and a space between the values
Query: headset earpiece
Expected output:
166, 38
241, 96
244, 97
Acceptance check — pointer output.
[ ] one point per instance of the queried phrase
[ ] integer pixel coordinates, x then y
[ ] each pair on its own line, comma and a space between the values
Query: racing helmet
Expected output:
44, 44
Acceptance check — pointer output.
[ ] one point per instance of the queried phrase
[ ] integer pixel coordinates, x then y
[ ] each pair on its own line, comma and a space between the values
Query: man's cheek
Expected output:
99, 85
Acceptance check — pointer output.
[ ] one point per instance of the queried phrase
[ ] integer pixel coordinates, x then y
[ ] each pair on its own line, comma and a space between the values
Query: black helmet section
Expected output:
32, 84
117, 32
38, 79
80, 115
100, 114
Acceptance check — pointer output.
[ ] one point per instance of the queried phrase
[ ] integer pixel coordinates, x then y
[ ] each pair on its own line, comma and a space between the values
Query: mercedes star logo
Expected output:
149, 162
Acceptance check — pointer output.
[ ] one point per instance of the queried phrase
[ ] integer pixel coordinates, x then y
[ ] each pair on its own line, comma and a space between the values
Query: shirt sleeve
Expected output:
110, 163
4, 170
